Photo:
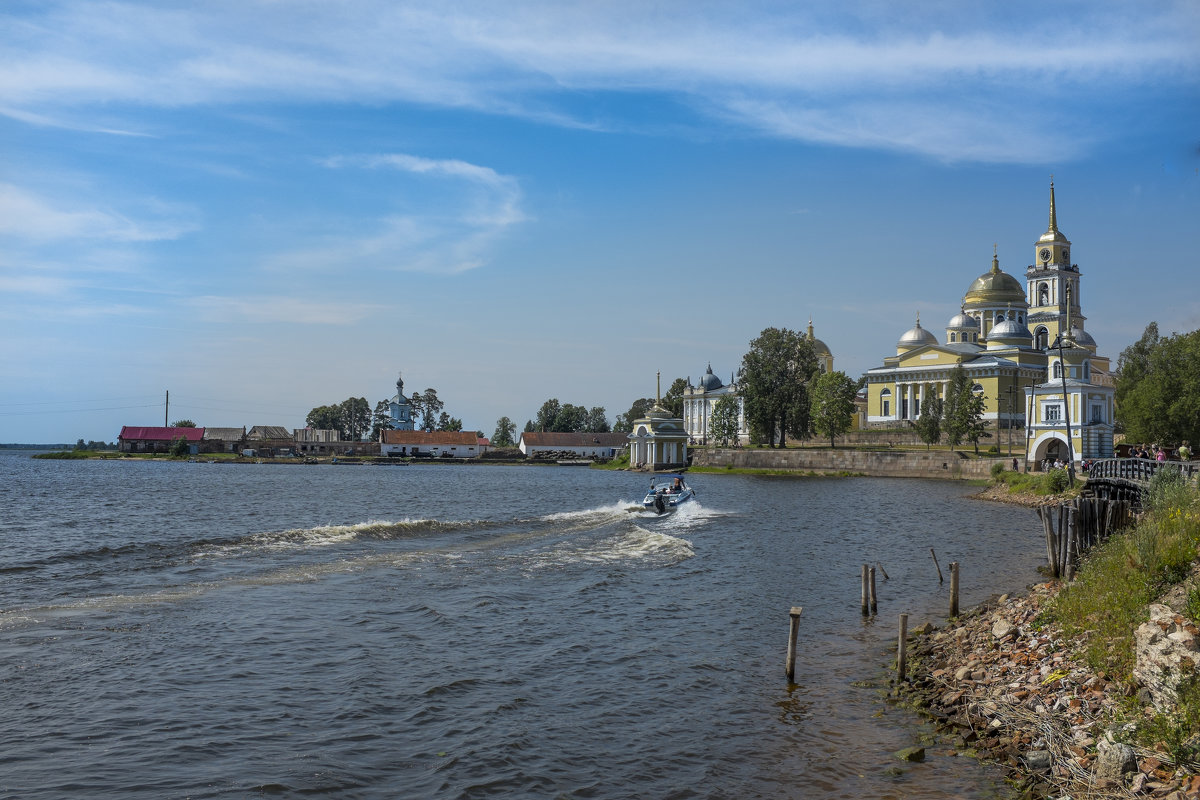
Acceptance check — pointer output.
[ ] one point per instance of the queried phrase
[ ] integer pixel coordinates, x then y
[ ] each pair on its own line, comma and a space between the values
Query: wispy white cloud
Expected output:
279, 309
803, 72
454, 235
29, 217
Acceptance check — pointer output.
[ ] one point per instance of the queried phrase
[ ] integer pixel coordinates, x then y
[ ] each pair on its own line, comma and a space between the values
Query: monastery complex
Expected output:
1023, 345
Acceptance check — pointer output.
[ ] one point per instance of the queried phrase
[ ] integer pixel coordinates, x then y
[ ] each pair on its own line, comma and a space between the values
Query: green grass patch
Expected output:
1121, 576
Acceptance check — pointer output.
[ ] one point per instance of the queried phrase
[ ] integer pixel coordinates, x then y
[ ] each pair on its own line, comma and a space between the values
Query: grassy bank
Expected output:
1155, 561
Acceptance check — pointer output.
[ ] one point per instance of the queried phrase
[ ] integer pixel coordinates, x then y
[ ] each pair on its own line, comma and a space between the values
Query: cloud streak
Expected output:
793, 79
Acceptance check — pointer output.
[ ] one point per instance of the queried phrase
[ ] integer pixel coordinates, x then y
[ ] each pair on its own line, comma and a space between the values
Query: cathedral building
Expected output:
1024, 349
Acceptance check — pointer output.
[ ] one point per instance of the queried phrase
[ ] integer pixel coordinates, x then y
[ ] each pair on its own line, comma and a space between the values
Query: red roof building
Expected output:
142, 439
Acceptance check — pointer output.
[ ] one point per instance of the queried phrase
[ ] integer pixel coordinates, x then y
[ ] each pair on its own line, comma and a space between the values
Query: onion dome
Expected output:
916, 336
819, 347
995, 288
710, 382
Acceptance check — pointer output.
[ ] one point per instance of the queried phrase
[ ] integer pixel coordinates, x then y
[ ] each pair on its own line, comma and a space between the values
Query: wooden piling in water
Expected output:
865, 592
874, 603
882, 571
794, 614
953, 588
936, 564
902, 650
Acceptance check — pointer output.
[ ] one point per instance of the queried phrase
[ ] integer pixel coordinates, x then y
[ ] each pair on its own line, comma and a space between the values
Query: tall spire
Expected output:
810, 330
1053, 227
995, 258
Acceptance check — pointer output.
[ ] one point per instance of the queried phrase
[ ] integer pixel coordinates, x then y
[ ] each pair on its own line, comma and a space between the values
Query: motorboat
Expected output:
667, 493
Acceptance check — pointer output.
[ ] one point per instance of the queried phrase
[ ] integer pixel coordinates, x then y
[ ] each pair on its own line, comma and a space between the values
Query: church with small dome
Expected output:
1025, 351
699, 399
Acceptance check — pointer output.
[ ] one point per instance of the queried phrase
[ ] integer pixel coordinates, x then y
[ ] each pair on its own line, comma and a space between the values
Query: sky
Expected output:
262, 207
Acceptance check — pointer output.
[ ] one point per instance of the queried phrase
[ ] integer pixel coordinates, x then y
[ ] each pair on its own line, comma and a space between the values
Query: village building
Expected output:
328, 442
149, 439
1018, 371
222, 440
547, 444
431, 444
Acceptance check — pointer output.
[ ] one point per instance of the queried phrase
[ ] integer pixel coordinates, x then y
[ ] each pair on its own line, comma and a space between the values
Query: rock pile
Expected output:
1002, 686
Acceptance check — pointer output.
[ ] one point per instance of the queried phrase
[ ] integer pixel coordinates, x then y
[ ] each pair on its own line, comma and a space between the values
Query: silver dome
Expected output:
1010, 329
960, 321
916, 336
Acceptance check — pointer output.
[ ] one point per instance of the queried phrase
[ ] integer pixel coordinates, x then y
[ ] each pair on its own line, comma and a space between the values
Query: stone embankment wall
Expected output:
882, 463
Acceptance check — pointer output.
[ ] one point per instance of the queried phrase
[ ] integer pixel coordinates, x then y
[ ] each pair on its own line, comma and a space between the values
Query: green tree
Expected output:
449, 423
547, 414
1158, 388
774, 380
724, 422
597, 421
571, 419
183, 423
929, 423
673, 400
428, 406
503, 435
976, 427
833, 404
355, 418
324, 418
179, 447
637, 410
381, 419
956, 408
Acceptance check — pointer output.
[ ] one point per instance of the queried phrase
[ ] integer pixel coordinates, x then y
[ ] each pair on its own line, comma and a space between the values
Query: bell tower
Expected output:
1048, 279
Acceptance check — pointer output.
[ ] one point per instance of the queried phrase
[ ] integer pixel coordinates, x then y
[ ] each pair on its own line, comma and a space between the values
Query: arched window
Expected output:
1087, 371
1058, 369
885, 403
952, 338
1041, 338
1043, 294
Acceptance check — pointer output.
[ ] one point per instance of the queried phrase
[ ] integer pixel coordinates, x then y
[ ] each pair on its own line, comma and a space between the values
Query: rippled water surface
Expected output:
217, 630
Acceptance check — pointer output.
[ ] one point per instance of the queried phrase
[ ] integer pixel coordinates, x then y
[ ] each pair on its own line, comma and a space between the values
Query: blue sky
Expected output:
267, 206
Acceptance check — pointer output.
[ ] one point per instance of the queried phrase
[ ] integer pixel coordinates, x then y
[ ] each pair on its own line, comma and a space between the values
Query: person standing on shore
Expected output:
1185, 452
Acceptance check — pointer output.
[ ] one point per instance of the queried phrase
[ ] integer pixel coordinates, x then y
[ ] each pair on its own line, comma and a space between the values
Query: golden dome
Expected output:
995, 288
819, 347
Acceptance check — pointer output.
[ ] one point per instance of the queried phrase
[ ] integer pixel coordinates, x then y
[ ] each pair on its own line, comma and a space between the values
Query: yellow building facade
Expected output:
1017, 343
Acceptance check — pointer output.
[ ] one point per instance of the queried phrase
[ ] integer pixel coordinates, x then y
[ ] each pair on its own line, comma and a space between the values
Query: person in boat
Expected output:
677, 485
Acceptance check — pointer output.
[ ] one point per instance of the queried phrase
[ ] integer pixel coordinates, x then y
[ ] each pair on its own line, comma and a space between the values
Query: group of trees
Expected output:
959, 414
559, 417
1158, 388
354, 418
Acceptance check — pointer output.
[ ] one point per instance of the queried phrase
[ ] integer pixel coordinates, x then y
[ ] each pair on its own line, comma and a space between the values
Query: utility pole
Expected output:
167, 410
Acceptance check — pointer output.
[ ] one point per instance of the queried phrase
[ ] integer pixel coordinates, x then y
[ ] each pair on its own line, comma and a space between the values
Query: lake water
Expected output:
172, 630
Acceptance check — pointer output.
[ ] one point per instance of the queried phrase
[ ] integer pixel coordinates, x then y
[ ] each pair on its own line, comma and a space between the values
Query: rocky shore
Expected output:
1001, 684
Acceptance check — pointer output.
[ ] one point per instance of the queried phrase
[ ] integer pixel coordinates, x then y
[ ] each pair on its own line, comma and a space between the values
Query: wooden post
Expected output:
865, 591
874, 604
902, 650
953, 588
791, 651
882, 571
1072, 543
936, 564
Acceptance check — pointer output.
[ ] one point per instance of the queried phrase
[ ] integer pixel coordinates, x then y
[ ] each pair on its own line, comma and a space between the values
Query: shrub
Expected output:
998, 471
1057, 480
1168, 488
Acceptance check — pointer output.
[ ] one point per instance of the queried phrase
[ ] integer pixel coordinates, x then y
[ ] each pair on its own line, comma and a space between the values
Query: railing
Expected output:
1138, 470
